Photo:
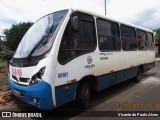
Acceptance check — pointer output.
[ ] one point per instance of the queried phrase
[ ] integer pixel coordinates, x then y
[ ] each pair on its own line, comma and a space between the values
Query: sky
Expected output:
145, 13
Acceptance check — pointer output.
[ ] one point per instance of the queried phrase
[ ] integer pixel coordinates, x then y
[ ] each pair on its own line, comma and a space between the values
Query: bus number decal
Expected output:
17, 72
62, 75
103, 58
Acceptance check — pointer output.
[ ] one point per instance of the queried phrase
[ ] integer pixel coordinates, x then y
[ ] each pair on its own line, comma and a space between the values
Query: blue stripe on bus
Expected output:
111, 79
104, 81
41, 91
65, 96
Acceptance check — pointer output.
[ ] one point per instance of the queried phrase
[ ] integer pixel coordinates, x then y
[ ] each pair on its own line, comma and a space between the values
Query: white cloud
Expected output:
31, 10
22, 10
15, 11
126, 9
148, 18
132, 10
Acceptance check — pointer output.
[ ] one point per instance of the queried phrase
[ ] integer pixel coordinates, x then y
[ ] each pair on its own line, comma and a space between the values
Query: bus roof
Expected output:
111, 19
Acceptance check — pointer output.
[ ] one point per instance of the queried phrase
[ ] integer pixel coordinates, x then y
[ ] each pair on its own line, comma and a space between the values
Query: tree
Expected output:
15, 34
2, 45
158, 33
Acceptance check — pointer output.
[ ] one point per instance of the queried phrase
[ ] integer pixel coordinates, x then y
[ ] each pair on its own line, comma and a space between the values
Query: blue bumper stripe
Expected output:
40, 91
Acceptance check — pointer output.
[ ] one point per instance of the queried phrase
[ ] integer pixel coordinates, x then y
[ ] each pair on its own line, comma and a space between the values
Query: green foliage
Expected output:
2, 63
158, 33
7, 55
15, 34
3, 46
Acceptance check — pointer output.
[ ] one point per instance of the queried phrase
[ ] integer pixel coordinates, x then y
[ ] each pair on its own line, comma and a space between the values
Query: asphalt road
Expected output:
126, 96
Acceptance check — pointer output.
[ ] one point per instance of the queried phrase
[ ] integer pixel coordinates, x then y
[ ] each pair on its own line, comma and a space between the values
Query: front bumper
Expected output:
38, 95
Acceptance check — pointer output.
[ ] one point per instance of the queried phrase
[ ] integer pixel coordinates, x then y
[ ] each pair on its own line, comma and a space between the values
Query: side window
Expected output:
128, 38
150, 41
141, 39
74, 44
108, 35
85, 38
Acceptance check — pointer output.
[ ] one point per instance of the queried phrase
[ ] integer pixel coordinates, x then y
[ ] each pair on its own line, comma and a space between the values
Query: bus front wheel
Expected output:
83, 95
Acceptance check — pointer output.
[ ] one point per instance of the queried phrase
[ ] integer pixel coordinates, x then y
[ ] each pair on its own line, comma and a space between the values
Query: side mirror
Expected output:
75, 23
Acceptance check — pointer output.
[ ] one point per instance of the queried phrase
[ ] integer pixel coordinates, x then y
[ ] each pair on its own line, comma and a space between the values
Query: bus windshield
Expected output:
39, 38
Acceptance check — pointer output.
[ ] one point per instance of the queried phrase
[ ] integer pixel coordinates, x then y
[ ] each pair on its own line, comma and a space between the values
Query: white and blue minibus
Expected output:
67, 54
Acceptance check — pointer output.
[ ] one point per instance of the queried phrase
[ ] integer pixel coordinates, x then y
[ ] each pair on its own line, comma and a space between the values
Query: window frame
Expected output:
151, 35
64, 32
152, 41
119, 34
146, 42
128, 27
135, 38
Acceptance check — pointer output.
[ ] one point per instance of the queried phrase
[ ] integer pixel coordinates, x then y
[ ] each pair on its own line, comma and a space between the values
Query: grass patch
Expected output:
3, 72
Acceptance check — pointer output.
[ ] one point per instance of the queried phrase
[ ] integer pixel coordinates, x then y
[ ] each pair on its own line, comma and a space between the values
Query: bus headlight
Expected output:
37, 77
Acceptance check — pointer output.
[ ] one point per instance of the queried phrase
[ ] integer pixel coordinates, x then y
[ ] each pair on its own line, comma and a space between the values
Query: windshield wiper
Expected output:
43, 40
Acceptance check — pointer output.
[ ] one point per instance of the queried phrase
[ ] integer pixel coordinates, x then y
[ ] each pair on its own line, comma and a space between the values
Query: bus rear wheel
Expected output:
83, 95
139, 75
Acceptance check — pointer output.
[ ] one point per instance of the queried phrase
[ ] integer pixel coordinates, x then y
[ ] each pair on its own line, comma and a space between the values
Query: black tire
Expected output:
83, 95
139, 75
